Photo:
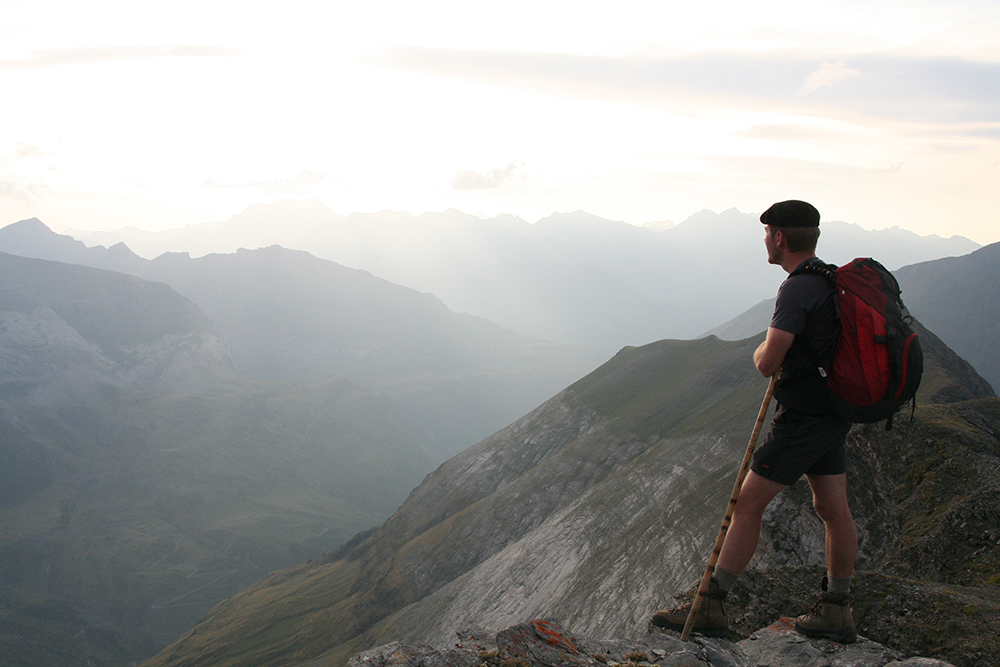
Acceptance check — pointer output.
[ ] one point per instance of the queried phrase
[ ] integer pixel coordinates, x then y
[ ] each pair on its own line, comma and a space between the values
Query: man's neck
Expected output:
791, 260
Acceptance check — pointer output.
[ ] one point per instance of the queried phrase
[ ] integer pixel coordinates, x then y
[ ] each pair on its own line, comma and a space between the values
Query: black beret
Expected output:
791, 213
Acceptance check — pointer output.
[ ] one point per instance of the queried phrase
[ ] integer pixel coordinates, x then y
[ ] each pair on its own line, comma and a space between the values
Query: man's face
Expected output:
774, 253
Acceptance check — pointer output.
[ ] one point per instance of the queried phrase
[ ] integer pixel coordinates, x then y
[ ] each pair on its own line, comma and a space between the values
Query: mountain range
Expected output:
288, 316
958, 298
570, 277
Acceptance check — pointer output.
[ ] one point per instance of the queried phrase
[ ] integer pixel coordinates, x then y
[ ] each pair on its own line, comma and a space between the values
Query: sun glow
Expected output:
135, 114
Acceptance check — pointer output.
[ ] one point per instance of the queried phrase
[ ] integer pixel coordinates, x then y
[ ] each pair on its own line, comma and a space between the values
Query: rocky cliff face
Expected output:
67, 330
600, 505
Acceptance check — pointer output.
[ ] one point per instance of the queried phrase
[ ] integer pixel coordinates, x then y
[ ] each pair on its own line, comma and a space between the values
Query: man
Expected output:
807, 436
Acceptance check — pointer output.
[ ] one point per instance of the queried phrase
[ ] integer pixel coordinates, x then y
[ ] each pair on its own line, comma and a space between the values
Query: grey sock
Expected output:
838, 585
725, 579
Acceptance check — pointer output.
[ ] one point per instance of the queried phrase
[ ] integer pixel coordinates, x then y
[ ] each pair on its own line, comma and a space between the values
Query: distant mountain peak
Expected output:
660, 225
578, 216
28, 225
33, 238
29, 222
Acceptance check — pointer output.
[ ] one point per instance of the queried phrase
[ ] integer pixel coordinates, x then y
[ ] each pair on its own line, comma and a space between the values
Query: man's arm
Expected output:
771, 353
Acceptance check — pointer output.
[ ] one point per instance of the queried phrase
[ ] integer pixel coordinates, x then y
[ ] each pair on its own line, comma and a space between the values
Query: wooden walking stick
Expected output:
710, 569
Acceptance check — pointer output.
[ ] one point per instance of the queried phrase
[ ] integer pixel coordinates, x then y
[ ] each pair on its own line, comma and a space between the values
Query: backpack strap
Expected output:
828, 271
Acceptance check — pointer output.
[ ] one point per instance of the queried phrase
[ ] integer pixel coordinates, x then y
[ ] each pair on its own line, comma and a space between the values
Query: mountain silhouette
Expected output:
958, 298
569, 277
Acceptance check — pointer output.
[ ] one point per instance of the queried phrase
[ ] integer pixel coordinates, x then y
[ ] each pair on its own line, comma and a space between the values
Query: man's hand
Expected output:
771, 353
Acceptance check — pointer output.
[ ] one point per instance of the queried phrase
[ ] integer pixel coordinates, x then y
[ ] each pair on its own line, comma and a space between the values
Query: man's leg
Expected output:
831, 617
744, 532
830, 501
738, 549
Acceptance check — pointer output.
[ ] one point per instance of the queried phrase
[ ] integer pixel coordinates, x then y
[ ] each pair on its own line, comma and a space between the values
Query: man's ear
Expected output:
780, 240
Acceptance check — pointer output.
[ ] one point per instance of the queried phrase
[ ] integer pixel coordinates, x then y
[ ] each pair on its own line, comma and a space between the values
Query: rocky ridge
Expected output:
547, 643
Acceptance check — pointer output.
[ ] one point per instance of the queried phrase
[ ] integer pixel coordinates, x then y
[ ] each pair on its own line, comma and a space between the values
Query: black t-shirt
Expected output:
806, 307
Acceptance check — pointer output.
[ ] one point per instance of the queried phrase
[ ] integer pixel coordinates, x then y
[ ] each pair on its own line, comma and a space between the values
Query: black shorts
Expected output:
800, 444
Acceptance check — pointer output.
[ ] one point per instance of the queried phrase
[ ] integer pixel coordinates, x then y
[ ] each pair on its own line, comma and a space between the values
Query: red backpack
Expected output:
877, 362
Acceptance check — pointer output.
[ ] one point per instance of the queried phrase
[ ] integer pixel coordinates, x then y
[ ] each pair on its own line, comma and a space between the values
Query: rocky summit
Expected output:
547, 643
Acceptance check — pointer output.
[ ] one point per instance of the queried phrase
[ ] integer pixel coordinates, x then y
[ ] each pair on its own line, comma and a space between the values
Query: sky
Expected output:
163, 114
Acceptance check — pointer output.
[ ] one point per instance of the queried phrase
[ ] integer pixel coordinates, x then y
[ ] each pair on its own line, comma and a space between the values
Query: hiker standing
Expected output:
807, 436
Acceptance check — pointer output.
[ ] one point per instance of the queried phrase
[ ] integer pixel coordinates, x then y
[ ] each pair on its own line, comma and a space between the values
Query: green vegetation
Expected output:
668, 386
948, 491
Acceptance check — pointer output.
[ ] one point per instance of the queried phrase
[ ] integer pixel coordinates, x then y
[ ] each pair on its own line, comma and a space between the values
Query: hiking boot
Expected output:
830, 618
710, 620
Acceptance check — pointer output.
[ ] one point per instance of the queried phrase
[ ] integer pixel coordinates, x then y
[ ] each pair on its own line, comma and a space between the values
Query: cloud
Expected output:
25, 151
882, 86
827, 74
786, 132
285, 186
894, 169
290, 186
97, 54
27, 193
476, 180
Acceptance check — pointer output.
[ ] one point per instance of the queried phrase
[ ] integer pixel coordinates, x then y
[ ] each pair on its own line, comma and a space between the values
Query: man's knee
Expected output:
830, 511
830, 498
755, 494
